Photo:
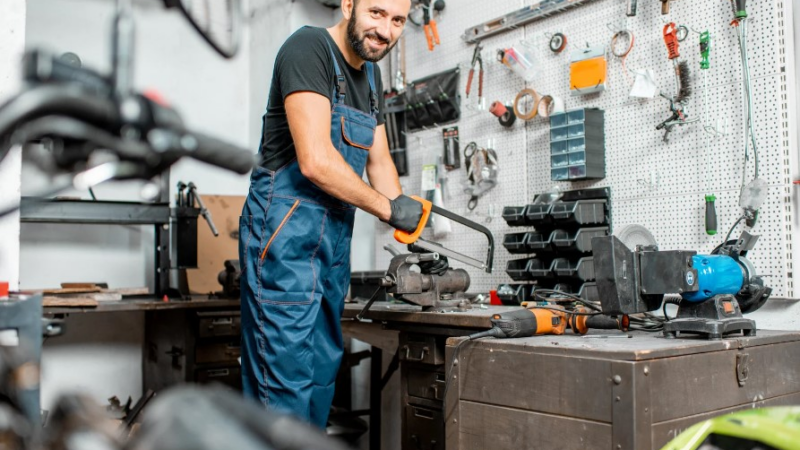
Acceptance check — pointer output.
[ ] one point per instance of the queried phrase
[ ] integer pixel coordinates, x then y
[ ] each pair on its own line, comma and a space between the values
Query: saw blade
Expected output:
427, 245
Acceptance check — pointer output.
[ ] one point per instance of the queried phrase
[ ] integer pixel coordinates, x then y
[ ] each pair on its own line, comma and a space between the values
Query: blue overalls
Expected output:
294, 245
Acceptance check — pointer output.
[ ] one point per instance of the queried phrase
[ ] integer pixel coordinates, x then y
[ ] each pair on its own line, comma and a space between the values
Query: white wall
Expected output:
12, 42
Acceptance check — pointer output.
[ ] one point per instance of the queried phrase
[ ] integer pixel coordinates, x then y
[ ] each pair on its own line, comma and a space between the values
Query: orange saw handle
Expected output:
409, 238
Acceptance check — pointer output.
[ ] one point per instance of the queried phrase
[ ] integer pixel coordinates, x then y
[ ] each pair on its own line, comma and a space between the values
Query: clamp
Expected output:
476, 59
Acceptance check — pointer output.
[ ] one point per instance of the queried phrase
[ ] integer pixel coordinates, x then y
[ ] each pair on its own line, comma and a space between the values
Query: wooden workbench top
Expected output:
147, 304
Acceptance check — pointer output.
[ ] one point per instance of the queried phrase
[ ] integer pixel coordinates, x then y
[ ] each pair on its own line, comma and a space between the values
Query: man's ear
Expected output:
347, 9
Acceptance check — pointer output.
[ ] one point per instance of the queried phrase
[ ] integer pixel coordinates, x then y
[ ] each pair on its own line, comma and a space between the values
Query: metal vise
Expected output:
431, 291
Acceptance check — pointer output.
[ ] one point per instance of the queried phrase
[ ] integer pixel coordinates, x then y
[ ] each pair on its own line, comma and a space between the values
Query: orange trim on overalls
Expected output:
353, 144
280, 227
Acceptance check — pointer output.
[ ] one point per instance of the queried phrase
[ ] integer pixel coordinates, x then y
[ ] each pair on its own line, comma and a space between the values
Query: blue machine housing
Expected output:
716, 275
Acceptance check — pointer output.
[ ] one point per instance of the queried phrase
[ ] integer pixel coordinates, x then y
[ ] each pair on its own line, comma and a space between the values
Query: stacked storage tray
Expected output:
577, 145
559, 250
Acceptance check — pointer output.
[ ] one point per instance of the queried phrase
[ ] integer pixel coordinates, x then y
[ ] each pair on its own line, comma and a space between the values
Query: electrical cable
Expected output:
749, 137
491, 332
537, 294
573, 313
730, 232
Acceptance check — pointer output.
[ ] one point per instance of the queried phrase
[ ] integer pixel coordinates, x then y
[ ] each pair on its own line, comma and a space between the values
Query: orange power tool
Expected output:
552, 320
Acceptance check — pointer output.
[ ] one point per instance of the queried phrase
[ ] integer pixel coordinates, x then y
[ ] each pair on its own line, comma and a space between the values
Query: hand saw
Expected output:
414, 238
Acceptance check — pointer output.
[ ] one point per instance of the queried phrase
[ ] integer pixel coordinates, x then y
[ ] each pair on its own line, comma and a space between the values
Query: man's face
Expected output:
375, 26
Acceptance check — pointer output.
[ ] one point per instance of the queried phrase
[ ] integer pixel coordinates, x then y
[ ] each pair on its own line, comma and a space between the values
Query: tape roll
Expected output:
507, 120
545, 106
558, 106
558, 43
498, 109
523, 94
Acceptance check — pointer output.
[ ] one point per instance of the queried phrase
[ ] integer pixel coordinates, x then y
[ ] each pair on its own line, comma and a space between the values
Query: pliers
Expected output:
431, 32
476, 59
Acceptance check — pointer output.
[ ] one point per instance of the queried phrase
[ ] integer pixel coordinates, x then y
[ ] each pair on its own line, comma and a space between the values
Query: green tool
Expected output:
705, 49
711, 210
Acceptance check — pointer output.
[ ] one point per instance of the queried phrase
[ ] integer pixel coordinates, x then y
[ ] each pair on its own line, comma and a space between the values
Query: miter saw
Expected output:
423, 276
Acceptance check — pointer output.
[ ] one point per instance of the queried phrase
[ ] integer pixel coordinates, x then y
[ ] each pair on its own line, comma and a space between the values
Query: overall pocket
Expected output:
289, 268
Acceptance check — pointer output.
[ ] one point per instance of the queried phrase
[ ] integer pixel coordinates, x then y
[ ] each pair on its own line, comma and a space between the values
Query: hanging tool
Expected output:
431, 32
482, 171
476, 59
683, 88
429, 208
665, 7
631, 11
705, 64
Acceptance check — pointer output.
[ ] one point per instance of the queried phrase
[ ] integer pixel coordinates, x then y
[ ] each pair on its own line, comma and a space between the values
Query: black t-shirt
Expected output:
304, 63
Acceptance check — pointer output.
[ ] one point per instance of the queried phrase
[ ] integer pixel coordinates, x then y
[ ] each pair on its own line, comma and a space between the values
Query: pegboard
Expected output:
660, 185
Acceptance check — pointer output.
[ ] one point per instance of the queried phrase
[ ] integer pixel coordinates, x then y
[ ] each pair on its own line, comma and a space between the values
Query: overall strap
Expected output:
373, 94
340, 87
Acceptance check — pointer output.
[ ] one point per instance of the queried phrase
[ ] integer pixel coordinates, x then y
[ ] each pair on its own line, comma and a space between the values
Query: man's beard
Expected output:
361, 48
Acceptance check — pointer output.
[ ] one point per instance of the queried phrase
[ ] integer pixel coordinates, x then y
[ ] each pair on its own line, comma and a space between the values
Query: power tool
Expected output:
715, 289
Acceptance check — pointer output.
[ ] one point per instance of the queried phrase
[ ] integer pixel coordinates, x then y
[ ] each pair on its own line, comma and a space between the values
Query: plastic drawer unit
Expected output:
577, 145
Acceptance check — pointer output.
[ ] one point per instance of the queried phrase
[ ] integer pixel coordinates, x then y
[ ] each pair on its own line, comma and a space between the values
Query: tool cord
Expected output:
749, 132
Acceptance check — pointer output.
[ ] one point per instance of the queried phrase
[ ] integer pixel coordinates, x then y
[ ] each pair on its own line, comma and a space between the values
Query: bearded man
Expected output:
323, 127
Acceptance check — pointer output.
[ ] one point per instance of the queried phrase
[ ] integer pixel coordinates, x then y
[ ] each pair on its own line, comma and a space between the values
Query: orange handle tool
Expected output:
429, 37
469, 81
480, 82
671, 40
409, 238
435, 32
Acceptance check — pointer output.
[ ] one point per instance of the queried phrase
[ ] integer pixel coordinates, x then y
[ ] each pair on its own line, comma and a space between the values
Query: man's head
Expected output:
374, 26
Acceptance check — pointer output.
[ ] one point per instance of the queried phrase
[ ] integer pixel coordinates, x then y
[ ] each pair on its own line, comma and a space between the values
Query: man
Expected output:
322, 128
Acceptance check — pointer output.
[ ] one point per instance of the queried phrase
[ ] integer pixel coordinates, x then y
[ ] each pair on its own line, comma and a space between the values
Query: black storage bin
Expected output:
581, 269
538, 215
514, 294
517, 269
580, 240
540, 268
515, 242
582, 212
514, 215
538, 242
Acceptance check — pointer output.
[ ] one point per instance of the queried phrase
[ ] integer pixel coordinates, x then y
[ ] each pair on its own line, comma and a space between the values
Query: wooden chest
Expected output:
571, 392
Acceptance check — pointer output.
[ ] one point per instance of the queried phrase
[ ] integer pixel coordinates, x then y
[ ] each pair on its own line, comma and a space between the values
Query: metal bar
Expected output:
393, 366
487, 266
451, 254
518, 18
376, 364
93, 212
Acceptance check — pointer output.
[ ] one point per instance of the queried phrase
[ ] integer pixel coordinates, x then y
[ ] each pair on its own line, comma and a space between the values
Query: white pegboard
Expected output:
656, 184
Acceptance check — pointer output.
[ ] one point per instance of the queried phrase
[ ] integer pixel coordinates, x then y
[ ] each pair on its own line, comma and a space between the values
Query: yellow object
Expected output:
588, 76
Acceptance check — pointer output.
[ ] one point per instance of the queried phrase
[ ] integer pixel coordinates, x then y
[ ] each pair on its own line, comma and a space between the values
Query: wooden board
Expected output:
213, 251
69, 302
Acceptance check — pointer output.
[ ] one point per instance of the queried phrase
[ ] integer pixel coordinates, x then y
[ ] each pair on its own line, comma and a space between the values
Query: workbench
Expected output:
573, 392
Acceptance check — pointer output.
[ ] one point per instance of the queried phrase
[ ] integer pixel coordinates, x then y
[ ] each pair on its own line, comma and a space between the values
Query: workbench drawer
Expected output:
230, 376
425, 383
424, 429
424, 349
218, 324
218, 352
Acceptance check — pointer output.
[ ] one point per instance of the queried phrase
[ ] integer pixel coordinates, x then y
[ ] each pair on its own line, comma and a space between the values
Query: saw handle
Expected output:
409, 238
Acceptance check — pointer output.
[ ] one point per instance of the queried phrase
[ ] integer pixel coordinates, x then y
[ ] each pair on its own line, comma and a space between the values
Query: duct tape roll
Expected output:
557, 106
545, 106
498, 109
507, 120
558, 43
523, 97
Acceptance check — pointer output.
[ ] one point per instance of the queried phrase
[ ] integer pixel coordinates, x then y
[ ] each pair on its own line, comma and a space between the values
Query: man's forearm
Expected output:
383, 178
334, 175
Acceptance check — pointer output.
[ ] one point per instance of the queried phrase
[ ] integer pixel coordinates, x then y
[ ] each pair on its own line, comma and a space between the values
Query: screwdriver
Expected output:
711, 215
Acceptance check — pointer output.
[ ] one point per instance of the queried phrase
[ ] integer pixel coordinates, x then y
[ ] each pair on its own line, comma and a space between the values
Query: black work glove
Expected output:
438, 267
406, 213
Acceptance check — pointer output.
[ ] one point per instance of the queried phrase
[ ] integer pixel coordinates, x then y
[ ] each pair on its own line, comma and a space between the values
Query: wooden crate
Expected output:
570, 392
